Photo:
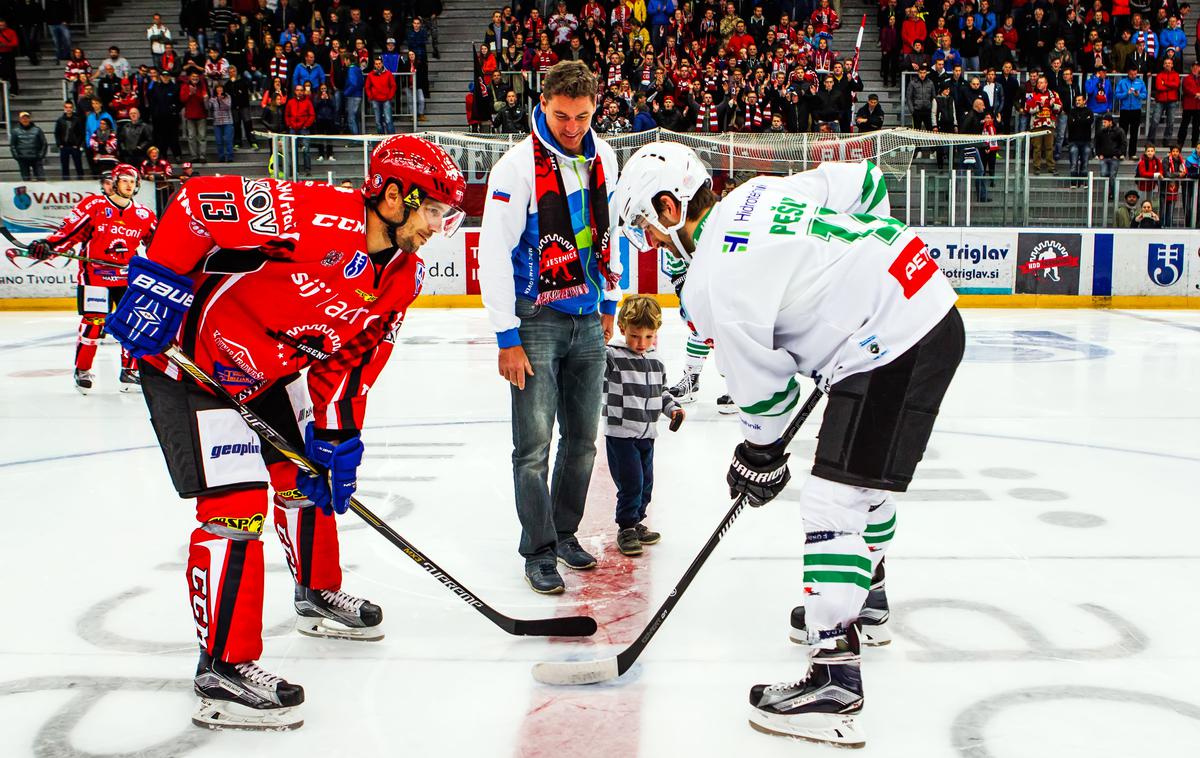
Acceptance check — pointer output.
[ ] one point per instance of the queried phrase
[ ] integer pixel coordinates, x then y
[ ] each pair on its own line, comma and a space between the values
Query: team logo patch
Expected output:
503, 197
332, 258
142, 213
735, 242
108, 212
1164, 263
377, 181
357, 265
231, 375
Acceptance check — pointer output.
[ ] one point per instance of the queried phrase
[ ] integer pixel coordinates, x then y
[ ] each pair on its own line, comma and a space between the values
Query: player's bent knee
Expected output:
237, 515
828, 506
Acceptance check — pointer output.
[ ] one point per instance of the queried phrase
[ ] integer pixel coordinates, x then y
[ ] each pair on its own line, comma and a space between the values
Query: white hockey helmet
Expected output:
654, 169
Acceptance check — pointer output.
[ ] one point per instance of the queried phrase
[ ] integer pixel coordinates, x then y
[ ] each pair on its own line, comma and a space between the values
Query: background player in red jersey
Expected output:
108, 228
257, 280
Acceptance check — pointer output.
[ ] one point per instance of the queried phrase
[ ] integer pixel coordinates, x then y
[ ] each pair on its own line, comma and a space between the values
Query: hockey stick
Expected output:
565, 626
593, 672
19, 245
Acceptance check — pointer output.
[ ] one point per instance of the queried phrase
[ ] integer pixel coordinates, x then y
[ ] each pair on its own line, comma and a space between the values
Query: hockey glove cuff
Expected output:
149, 315
337, 465
759, 473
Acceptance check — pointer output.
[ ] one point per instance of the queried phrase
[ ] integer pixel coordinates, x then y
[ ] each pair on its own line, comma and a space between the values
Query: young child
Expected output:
633, 384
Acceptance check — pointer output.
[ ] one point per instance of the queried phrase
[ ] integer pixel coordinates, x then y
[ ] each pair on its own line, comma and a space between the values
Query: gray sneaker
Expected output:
571, 555
543, 577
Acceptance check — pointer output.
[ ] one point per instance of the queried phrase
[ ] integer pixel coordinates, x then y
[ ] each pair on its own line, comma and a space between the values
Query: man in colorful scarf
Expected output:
548, 277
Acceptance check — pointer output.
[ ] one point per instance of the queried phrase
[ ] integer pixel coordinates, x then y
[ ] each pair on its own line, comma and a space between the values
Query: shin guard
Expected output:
225, 575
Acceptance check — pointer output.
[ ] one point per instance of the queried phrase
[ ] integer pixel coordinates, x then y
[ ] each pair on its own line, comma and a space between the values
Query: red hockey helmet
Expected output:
423, 171
126, 171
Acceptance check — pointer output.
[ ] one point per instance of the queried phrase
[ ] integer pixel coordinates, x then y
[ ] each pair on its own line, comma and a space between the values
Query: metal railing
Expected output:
405, 102
7, 109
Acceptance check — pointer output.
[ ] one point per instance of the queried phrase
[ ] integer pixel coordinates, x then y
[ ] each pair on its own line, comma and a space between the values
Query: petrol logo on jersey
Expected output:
357, 265
913, 267
250, 525
366, 296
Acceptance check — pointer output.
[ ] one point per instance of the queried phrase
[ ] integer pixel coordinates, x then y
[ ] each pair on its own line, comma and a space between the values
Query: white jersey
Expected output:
808, 274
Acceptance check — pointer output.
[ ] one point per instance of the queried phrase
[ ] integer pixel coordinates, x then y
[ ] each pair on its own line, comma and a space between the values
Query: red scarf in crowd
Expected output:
706, 118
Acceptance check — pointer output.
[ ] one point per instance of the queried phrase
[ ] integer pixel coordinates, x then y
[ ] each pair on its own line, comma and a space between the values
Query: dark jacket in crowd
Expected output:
28, 142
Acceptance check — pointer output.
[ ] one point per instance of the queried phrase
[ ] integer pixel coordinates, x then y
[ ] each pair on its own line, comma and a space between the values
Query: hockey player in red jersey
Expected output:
108, 228
257, 280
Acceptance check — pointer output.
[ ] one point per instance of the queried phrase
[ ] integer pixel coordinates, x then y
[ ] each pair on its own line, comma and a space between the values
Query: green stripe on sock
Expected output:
838, 577
838, 559
876, 539
886, 526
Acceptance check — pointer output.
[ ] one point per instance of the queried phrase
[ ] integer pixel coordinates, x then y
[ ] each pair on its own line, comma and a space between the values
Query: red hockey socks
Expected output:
309, 537
91, 330
225, 574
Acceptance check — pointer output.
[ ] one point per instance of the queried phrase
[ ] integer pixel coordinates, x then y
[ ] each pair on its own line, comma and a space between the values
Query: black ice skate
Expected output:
243, 696
685, 391
822, 707
325, 613
131, 381
83, 381
872, 619
726, 406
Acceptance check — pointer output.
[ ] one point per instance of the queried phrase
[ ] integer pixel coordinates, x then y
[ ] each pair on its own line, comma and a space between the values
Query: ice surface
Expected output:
1042, 580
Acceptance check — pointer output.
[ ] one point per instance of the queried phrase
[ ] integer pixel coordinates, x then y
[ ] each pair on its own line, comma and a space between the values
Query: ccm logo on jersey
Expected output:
913, 267
340, 222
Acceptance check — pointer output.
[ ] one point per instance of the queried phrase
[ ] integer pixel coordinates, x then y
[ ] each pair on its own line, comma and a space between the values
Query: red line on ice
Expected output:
595, 720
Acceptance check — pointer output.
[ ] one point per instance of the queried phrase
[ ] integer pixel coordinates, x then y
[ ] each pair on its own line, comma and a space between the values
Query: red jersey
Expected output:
106, 233
283, 282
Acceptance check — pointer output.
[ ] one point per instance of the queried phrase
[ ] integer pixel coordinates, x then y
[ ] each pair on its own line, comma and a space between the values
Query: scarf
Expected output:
755, 116
990, 129
562, 273
708, 112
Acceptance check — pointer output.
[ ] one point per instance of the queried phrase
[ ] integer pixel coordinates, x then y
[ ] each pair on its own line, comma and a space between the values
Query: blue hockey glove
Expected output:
338, 466
149, 315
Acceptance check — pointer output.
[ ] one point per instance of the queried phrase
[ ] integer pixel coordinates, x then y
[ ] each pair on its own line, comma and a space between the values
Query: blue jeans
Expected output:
353, 116
1081, 153
631, 462
62, 41
1109, 168
383, 116
568, 358
303, 156
224, 136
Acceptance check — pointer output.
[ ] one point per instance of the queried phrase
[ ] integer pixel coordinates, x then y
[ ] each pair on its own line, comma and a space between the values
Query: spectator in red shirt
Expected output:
381, 90
10, 43
912, 30
1165, 100
1191, 105
739, 40
1149, 167
299, 116
192, 94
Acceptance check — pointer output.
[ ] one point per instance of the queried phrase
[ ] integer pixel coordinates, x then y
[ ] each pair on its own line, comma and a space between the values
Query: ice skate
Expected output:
325, 613
243, 696
872, 619
687, 387
823, 707
726, 406
131, 381
83, 381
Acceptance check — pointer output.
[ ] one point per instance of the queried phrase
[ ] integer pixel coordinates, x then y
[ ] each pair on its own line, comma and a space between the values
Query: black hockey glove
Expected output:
760, 473
40, 250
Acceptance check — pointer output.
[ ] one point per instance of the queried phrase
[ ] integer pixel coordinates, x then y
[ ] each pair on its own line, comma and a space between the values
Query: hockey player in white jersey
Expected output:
809, 275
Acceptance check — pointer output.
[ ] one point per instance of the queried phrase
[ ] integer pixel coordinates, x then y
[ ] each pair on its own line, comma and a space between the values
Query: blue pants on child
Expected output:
631, 462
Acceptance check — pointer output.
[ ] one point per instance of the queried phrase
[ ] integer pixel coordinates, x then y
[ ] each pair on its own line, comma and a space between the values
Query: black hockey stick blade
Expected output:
567, 626
605, 669
21, 247
12, 238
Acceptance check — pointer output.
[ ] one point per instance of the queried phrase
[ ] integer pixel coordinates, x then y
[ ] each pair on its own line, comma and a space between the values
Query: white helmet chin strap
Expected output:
682, 250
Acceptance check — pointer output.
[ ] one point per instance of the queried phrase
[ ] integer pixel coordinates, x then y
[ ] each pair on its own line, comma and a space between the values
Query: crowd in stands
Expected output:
684, 66
277, 65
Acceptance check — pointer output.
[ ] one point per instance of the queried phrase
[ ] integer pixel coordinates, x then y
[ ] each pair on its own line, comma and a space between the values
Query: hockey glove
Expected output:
338, 471
40, 250
149, 315
759, 473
